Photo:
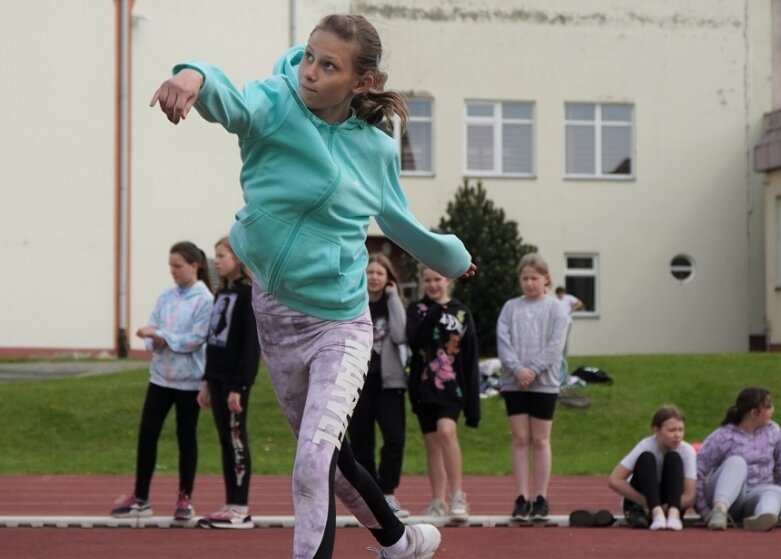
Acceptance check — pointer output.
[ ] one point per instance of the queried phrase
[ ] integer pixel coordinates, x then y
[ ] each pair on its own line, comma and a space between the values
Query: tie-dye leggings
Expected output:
317, 368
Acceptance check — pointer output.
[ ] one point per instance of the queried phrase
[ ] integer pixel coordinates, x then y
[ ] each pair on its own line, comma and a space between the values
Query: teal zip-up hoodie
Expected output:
310, 188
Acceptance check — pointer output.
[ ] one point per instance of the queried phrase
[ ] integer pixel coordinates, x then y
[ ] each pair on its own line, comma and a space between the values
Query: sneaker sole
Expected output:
761, 523
142, 514
459, 517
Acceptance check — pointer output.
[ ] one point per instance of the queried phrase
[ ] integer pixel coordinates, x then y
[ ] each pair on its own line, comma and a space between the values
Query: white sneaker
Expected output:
436, 508
228, 517
395, 506
423, 539
459, 508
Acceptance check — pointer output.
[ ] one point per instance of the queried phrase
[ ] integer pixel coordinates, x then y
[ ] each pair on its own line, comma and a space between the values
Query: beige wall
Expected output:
57, 174
698, 73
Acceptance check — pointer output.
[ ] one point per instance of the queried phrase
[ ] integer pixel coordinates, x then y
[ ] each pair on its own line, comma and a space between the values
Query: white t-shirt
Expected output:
569, 301
649, 444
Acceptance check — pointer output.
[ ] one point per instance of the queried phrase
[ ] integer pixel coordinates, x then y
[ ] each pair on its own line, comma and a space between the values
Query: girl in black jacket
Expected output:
444, 381
232, 357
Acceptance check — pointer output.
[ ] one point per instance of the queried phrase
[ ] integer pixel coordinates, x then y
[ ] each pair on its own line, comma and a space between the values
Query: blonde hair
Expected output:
536, 262
421, 289
376, 104
243, 275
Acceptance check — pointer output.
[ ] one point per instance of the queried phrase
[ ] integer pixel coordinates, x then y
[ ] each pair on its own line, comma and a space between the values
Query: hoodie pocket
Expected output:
259, 240
310, 272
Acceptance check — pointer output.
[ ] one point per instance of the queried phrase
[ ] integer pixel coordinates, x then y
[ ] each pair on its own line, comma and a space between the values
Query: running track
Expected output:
489, 497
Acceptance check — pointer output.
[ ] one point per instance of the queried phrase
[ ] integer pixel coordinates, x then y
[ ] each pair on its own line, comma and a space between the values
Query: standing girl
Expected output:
315, 168
739, 466
530, 336
382, 397
444, 381
176, 336
659, 475
232, 356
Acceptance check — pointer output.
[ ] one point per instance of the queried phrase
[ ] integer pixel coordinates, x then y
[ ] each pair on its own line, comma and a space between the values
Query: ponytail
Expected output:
749, 399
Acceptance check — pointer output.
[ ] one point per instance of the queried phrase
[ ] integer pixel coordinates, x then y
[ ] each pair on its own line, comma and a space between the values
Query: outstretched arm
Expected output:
178, 94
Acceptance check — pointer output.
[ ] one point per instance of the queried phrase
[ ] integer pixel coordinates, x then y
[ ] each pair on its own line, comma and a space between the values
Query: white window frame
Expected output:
592, 272
496, 121
598, 125
397, 137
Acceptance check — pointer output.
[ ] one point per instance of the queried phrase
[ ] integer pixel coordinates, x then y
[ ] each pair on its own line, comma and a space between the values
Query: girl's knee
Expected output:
736, 464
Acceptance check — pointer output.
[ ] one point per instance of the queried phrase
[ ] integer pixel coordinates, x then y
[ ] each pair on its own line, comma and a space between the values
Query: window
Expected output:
581, 281
499, 139
599, 140
681, 267
416, 145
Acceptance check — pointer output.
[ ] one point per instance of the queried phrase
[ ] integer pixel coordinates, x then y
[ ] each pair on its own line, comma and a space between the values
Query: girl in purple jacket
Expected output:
739, 466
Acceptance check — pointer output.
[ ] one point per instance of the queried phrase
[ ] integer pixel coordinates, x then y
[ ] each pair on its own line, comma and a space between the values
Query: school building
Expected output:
633, 142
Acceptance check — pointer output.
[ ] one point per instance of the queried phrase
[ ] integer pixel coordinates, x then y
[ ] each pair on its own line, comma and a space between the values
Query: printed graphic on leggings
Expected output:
344, 396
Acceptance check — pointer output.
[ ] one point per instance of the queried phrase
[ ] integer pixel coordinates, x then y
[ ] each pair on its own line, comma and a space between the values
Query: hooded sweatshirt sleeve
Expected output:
194, 337
504, 344
397, 319
710, 456
444, 253
254, 111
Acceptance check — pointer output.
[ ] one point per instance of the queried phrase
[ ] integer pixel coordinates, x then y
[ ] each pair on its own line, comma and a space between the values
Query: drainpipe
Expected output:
293, 17
123, 178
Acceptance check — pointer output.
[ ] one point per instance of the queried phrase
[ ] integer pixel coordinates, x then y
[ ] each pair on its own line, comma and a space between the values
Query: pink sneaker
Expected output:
184, 509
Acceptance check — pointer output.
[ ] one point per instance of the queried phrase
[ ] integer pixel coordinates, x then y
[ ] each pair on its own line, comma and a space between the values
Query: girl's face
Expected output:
327, 79
185, 274
436, 286
764, 415
533, 283
225, 261
669, 433
376, 277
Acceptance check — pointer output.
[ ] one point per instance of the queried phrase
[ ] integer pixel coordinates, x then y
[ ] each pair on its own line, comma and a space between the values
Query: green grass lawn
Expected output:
88, 425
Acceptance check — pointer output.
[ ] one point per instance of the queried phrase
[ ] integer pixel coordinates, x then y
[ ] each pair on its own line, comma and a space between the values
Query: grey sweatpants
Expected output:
317, 368
728, 485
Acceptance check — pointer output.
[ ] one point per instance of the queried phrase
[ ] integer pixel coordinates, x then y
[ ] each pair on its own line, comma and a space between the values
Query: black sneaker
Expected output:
522, 508
540, 508
636, 517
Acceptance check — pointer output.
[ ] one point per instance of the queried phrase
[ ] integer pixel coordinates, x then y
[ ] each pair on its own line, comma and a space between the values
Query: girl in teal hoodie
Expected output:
315, 168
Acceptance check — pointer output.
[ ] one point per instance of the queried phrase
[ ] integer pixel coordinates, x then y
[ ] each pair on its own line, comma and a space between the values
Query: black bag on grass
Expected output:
593, 375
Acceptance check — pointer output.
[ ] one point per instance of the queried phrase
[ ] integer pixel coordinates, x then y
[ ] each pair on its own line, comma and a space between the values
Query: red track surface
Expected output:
270, 495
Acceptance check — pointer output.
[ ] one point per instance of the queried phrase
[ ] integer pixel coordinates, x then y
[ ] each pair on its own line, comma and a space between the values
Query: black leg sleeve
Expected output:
672, 480
187, 410
392, 528
646, 479
157, 404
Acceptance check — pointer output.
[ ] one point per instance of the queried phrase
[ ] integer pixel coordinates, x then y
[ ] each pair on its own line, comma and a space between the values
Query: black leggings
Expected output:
157, 404
386, 409
666, 491
234, 444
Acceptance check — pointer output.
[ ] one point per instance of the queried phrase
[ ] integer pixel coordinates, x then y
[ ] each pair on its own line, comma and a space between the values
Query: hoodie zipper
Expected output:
283, 255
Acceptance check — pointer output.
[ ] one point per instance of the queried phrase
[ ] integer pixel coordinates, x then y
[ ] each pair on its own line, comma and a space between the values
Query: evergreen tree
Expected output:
496, 248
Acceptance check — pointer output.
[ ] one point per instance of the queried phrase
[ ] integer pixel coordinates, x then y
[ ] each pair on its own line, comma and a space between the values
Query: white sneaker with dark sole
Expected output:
423, 540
